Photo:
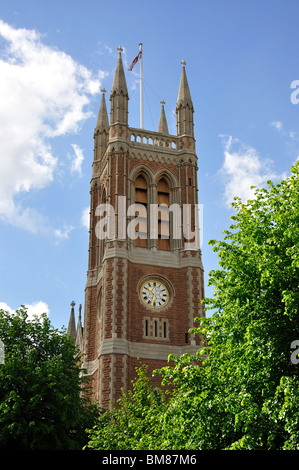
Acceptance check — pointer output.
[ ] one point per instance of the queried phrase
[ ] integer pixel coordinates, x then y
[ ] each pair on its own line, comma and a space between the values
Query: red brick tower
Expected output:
143, 293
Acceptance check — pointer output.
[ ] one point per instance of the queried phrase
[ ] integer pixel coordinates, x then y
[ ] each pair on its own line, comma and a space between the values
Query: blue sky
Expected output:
55, 56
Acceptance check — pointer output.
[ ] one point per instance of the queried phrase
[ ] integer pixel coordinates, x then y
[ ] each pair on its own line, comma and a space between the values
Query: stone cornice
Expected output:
142, 350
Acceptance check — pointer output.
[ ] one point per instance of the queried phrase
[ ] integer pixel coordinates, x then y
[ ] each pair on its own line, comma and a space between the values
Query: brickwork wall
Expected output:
106, 390
113, 308
152, 365
90, 321
176, 312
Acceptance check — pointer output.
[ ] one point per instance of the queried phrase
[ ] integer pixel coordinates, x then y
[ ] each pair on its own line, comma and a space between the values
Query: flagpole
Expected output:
141, 87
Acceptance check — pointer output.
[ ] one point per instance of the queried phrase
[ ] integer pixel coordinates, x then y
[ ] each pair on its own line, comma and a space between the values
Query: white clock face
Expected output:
154, 294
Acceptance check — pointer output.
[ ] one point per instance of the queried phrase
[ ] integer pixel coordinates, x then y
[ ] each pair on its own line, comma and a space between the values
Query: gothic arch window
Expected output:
169, 219
163, 215
160, 189
141, 197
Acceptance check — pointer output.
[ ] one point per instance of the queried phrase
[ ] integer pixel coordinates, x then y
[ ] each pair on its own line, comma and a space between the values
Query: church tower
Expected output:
145, 275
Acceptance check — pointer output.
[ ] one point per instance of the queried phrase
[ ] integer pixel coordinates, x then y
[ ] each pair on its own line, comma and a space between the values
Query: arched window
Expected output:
163, 215
141, 198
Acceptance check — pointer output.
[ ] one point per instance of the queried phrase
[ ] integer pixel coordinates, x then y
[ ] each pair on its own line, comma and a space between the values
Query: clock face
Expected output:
154, 294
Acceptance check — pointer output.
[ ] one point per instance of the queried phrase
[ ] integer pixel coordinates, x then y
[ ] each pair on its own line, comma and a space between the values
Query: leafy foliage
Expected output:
40, 387
135, 422
242, 396
240, 391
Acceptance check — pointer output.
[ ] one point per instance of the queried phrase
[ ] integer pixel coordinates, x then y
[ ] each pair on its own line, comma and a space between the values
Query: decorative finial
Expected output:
73, 303
103, 90
162, 102
80, 308
120, 49
183, 63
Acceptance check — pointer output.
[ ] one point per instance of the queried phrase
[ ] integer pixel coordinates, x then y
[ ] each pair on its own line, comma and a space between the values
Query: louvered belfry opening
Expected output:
163, 215
141, 198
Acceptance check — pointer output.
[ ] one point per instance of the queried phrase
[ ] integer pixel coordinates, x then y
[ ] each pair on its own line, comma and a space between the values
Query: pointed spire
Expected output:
71, 330
119, 82
79, 336
162, 127
103, 122
119, 94
184, 106
184, 96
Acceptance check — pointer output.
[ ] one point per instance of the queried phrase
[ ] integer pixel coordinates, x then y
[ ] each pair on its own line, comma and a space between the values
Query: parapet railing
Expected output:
141, 136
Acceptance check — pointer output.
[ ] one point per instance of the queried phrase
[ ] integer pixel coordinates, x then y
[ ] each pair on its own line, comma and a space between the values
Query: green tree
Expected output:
241, 389
245, 393
41, 407
135, 421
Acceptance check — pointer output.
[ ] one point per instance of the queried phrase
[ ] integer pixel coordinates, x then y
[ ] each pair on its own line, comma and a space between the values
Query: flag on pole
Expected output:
135, 61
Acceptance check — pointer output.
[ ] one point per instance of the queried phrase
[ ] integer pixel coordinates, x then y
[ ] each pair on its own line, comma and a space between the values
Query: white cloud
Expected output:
293, 135
63, 234
4, 306
85, 218
44, 94
36, 308
243, 168
277, 124
76, 165
26, 218
101, 48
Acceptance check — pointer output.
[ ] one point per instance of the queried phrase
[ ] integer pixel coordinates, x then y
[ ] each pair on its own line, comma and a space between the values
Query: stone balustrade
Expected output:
140, 136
